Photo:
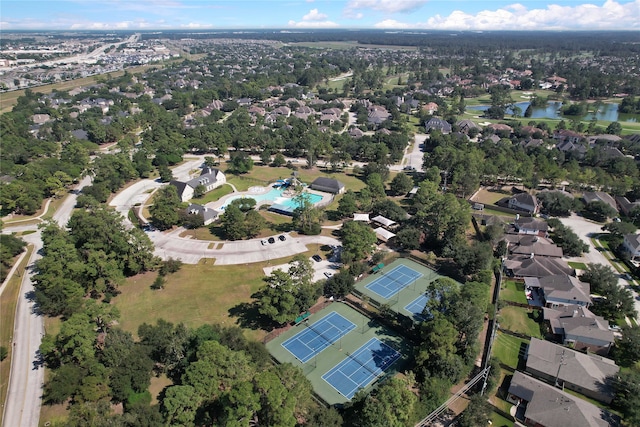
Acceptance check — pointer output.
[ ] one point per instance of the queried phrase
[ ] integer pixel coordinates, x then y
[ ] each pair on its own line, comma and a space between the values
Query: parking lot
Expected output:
322, 269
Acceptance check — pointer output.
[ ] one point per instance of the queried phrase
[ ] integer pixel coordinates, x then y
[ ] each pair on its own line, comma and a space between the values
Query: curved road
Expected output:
585, 229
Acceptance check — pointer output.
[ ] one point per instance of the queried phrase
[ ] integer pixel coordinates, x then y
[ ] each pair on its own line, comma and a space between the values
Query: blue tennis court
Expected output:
317, 336
416, 307
359, 369
392, 282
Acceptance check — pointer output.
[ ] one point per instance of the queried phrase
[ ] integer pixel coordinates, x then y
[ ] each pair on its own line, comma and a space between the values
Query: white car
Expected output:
328, 274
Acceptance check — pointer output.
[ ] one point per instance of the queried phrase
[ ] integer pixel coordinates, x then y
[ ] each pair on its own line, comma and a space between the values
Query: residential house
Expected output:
599, 196
588, 374
356, 133
210, 178
500, 127
560, 289
532, 266
466, 125
631, 244
377, 114
565, 135
244, 102
524, 244
524, 202
531, 226
40, 119
578, 327
430, 108
328, 185
625, 206
438, 124
542, 405
208, 215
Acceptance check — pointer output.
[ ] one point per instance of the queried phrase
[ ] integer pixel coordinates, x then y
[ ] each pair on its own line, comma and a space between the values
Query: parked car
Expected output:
272, 240
264, 242
317, 258
282, 238
328, 274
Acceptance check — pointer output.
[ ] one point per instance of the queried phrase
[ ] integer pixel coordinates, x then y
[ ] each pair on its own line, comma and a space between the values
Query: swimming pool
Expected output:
276, 199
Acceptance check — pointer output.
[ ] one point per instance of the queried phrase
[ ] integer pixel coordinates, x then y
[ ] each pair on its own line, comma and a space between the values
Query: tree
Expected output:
390, 405
276, 300
348, 205
180, 404
306, 217
400, 184
358, 240
233, 222
339, 284
408, 238
477, 414
241, 162
199, 191
627, 349
164, 211
614, 128
375, 185
556, 203
598, 211
627, 399
619, 228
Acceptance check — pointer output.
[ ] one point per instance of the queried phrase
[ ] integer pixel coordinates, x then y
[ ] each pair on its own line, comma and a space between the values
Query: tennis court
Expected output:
317, 336
393, 281
416, 307
359, 369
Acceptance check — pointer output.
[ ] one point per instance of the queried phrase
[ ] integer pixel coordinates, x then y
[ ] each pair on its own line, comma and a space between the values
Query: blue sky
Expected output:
291, 14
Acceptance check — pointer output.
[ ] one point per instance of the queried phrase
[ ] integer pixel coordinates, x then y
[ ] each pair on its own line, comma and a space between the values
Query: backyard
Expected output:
520, 320
513, 291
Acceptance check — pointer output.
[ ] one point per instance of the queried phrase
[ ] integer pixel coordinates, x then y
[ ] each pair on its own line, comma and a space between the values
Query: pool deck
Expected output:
257, 190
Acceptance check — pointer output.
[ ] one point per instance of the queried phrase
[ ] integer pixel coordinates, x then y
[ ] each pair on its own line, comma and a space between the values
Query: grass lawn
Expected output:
498, 420
513, 291
488, 197
264, 175
8, 305
195, 295
508, 348
518, 319
577, 265
213, 195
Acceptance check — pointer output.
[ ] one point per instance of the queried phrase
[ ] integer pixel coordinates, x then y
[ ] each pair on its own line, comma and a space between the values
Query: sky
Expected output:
481, 15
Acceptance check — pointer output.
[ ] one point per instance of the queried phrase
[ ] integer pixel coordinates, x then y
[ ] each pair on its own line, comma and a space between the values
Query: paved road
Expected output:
22, 408
585, 229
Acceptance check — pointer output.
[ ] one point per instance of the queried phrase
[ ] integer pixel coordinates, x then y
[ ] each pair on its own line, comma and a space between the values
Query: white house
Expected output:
632, 245
210, 178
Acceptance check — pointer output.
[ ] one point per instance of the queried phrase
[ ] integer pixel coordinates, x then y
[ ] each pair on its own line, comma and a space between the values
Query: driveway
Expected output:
321, 268
586, 229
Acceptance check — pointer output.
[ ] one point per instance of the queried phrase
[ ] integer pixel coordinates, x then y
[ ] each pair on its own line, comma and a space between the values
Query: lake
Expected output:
607, 112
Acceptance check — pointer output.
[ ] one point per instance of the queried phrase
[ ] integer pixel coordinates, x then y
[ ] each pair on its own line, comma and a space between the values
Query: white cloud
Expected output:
314, 15
385, 6
610, 16
195, 25
313, 24
314, 19
392, 23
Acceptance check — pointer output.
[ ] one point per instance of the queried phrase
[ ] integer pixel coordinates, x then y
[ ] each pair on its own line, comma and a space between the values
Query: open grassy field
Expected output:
8, 304
520, 320
577, 265
195, 295
513, 291
507, 349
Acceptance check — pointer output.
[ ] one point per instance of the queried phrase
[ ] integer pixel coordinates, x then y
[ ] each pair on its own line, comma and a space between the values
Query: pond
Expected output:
607, 112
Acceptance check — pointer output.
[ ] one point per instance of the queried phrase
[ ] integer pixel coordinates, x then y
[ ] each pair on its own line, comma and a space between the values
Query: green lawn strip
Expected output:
507, 349
518, 319
513, 291
593, 402
577, 265
213, 195
498, 420
8, 305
